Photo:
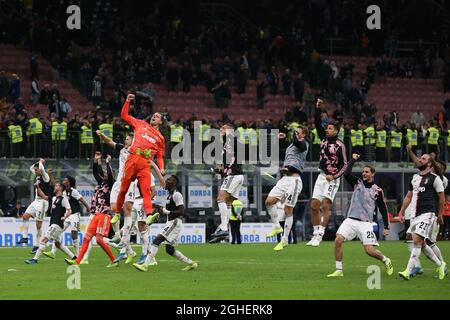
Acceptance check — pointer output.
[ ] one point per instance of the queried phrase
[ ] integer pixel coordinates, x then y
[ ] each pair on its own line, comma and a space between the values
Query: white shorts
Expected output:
287, 190
172, 230
37, 209
73, 222
325, 189
350, 229
138, 212
423, 225
434, 231
232, 185
54, 233
116, 190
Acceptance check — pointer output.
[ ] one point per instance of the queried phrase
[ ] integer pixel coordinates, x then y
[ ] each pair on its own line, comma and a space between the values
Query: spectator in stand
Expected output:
4, 85
172, 77
14, 88
338, 114
64, 108
45, 95
55, 91
299, 87
34, 66
222, 94
186, 76
35, 93
86, 75
273, 81
261, 93
298, 113
241, 79
97, 90
287, 82
365, 45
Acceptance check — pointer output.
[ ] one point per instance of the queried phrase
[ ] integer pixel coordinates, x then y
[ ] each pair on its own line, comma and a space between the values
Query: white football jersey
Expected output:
124, 153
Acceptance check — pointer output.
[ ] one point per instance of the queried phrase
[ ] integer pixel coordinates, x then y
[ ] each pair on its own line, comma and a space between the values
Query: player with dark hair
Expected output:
73, 221
366, 199
429, 208
332, 165
60, 210
39, 206
147, 144
233, 179
174, 209
100, 223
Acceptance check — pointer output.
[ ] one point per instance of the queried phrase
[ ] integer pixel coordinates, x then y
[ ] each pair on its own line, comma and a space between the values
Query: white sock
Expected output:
410, 244
339, 265
130, 250
38, 234
431, 255
415, 254
116, 228
126, 230
76, 246
26, 225
384, 259
273, 212
316, 230
151, 254
437, 252
287, 227
321, 231
88, 251
66, 251
39, 251
223, 216
54, 248
181, 257
144, 241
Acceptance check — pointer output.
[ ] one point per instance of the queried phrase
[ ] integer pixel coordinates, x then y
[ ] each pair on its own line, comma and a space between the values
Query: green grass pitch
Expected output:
251, 271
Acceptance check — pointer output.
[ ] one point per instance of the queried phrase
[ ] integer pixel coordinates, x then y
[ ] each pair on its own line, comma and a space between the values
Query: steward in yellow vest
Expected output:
433, 138
16, 139
381, 137
396, 144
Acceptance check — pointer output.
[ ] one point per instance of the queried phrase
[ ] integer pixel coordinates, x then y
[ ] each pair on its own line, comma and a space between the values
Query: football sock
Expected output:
287, 227
144, 241
126, 230
316, 230
105, 247
273, 212
339, 265
54, 248
84, 248
437, 252
66, 251
431, 255
415, 254
38, 235
39, 251
26, 225
223, 216
76, 246
181, 257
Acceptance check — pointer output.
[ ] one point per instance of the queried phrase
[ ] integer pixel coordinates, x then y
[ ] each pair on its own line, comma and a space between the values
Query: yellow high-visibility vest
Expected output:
448, 137
107, 130
356, 138
176, 133
59, 131
341, 134
86, 135
291, 127
237, 207
396, 139
412, 137
252, 136
15, 133
243, 135
316, 139
433, 137
205, 133
370, 136
381, 139
35, 127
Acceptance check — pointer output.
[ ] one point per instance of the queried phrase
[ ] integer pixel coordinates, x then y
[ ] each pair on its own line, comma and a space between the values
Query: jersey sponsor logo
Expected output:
148, 138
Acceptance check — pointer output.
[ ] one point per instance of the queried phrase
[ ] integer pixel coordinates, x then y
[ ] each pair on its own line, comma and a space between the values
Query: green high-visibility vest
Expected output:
291, 127
35, 127
86, 135
356, 137
205, 132
252, 136
243, 135
316, 139
15, 133
107, 130
381, 139
448, 137
370, 136
176, 133
59, 131
237, 207
433, 137
396, 139
341, 134
412, 137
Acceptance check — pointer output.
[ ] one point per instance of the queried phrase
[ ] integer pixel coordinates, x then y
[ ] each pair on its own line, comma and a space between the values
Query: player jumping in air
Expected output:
174, 210
233, 179
148, 142
100, 223
59, 211
429, 208
366, 198
39, 206
290, 186
332, 165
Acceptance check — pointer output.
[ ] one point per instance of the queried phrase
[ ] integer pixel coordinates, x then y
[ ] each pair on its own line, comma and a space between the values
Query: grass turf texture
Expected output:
225, 272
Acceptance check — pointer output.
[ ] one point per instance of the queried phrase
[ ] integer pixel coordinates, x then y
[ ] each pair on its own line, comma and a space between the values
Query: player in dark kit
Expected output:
59, 211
